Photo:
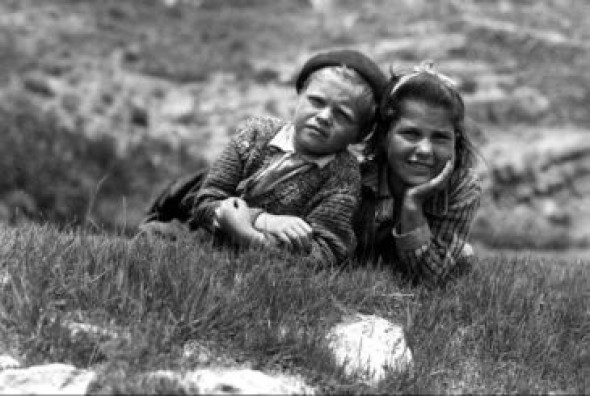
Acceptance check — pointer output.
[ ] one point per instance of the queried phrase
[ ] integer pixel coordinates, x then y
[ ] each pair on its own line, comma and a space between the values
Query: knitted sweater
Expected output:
326, 198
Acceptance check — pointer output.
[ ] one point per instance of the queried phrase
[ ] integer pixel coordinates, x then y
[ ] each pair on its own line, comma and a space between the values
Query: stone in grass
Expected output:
55, 378
230, 381
369, 347
94, 332
4, 278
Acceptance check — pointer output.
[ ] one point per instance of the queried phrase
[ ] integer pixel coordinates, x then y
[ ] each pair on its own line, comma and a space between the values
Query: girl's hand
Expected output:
293, 231
418, 194
234, 219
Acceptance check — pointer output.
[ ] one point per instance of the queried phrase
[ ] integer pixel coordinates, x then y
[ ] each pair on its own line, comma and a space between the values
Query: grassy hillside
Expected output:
543, 42
103, 71
83, 143
515, 324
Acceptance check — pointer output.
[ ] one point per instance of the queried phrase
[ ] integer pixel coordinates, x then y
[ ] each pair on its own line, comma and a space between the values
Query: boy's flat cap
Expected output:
353, 59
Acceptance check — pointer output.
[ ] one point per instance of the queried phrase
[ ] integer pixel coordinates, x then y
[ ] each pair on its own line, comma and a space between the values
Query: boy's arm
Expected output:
333, 239
172, 202
235, 219
325, 235
220, 186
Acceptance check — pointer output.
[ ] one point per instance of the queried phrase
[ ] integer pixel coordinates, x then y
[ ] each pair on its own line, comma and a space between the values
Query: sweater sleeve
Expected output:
431, 251
331, 217
224, 175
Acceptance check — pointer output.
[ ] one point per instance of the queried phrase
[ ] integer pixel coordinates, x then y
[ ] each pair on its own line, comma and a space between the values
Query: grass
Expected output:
514, 324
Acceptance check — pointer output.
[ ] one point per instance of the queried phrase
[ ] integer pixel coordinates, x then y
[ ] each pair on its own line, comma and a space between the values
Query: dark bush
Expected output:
64, 171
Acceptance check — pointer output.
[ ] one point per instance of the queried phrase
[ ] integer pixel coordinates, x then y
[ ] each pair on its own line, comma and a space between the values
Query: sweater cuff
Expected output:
254, 213
413, 239
216, 215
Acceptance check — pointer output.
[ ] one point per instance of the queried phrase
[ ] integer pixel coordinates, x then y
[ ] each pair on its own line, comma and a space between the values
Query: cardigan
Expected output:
282, 166
430, 252
326, 197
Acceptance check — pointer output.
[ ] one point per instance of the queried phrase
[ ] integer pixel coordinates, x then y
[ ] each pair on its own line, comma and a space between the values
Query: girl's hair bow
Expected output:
426, 67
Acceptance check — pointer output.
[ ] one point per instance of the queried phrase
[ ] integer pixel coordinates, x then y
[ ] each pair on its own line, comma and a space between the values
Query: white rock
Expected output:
178, 105
236, 381
76, 329
56, 378
8, 362
369, 346
4, 276
197, 351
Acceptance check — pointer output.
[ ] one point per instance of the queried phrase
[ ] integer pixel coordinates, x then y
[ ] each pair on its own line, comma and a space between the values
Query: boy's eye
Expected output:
345, 115
315, 100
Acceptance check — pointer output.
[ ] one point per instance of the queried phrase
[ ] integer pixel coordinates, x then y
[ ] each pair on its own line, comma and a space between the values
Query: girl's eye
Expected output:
411, 134
442, 137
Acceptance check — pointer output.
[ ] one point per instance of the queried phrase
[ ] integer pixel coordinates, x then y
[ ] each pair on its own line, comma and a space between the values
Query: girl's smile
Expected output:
419, 142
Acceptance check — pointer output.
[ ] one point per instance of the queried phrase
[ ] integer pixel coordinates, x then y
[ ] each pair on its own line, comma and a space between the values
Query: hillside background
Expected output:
103, 102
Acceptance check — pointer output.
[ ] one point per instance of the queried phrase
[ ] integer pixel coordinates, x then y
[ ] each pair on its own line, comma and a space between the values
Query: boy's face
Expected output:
327, 116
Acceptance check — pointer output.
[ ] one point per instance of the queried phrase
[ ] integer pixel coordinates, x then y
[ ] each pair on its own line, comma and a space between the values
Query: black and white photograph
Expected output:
295, 197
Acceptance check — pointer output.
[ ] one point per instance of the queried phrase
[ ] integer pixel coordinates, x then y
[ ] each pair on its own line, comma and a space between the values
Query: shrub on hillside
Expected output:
52, 173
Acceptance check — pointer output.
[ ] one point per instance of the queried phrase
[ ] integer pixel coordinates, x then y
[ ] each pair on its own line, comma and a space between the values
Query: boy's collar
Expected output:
285, 141
375, 178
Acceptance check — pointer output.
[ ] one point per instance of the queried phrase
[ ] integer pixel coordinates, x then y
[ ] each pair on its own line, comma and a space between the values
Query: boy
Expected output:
295, 183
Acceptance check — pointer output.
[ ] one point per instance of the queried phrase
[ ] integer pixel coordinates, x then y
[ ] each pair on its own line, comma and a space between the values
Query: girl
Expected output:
420, 191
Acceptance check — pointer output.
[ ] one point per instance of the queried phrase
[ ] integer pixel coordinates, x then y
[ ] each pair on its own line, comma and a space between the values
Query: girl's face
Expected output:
327, 117
419, 143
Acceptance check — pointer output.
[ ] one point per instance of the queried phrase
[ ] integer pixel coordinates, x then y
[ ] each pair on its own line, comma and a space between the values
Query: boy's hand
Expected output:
290, 230
418, 194
234, 219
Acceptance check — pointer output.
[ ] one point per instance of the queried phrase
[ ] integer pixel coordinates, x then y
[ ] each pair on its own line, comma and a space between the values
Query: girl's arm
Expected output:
432, 246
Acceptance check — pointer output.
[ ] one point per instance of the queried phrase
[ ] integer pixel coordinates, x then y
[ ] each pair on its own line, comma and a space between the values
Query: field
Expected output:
104, 102
515, 324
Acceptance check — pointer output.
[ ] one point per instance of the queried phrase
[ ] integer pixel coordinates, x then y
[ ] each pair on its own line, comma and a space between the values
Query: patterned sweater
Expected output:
431, 252
325, 197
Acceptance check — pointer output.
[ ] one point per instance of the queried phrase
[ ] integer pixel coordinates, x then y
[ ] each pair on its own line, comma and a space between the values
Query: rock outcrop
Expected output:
369, 347
539, 188
230, 381
64, 379
366, 346
55, 378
